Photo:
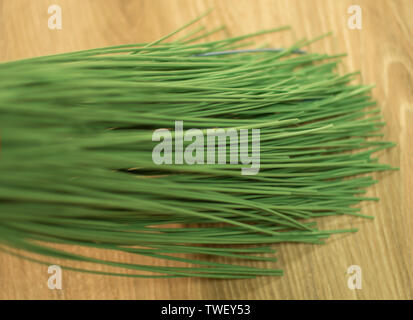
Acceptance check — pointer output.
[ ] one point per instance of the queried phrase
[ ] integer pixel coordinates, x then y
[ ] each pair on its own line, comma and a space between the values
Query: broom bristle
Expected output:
76, 161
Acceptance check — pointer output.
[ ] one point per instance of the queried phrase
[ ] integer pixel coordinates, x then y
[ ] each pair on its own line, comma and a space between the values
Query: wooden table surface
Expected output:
382, 50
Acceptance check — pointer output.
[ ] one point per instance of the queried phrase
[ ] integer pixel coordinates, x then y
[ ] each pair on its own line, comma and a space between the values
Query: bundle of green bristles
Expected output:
76, 161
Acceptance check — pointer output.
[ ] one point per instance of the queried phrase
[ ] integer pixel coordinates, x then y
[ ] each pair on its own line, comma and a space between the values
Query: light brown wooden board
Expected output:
382, 50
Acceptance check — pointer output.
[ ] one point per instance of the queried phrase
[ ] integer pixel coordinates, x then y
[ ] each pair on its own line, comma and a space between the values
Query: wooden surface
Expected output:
382, 50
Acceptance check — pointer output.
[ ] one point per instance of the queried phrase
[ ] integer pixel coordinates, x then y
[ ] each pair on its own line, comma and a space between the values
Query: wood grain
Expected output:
382, 50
